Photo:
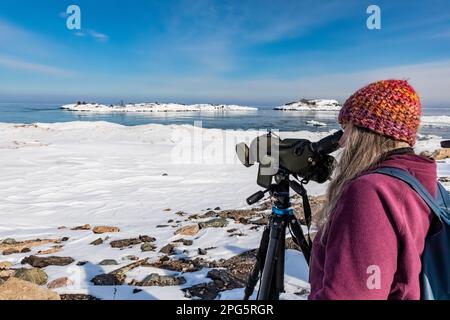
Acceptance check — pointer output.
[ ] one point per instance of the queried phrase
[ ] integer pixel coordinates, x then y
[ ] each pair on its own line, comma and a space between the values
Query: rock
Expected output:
241, 265
7, 273
214, 223
50, 251
10, 251
161, 281
204, 291
105, 229
16, 289
444, 179
167, 249
34, 275
60, 283
108, 262
64, 239
14, 246
217, 208
42, 262
5, 265
108, 279
181, 213
130, 257
239, 216
78, 297
83, 227
441, 154
208, 214
182, 265
97, 242
125, 243
9, 241
25, 250
131, 242
147, 239
147, 246
184, 242
190, 230
225, 280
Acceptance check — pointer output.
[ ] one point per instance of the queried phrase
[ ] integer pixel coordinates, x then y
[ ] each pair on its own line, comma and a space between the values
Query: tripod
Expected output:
271, 252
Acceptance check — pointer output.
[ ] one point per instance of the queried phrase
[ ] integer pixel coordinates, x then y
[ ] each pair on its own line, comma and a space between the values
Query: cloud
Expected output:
431, 80
14, 63
98, 36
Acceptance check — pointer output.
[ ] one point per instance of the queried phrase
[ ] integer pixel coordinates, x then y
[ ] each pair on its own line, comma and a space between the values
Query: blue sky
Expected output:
252, 52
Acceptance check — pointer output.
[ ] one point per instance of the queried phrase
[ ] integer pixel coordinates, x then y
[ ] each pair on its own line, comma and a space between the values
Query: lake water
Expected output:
264, 118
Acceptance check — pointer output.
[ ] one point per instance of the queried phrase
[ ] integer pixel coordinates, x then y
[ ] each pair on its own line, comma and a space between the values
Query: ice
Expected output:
154, 107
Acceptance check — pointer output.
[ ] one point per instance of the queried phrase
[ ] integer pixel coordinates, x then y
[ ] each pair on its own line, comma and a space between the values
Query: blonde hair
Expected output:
362, 150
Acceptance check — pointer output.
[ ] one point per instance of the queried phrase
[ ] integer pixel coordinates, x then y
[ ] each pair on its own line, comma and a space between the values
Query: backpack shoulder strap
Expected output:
413, 183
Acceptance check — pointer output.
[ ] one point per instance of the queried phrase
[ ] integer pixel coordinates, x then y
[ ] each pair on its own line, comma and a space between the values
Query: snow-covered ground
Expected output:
154, 107
311, 105
134, 178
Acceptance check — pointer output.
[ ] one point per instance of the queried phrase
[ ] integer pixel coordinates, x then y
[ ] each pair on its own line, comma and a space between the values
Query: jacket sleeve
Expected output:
362, 246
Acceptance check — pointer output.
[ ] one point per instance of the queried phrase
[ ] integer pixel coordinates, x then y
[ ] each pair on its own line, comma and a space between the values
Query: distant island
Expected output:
153, 107
311, 105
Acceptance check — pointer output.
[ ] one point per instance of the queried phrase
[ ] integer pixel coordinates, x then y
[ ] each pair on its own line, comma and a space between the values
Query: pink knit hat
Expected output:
389, 107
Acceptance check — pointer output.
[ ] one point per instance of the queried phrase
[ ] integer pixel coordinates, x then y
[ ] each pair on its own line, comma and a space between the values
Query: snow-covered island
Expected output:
154, 107
311, 105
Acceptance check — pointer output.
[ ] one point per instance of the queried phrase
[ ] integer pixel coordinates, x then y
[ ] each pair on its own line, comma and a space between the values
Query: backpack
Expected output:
435, 274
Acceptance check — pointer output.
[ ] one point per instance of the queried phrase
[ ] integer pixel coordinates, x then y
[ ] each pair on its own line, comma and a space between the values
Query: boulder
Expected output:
42, 262
162, 281
108, 262
190, 230
441, 154
105, 229
34, 275
5, 265
97, 242
214, 223
16, 289
148, 246
60, 283
167, 249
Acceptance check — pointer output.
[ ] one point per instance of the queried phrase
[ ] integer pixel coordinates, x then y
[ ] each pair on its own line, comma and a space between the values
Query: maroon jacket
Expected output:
373, 245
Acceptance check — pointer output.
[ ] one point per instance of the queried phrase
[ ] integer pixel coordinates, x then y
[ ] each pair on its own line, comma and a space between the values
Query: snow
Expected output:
315, 123
99, 173
154, 107
311, 105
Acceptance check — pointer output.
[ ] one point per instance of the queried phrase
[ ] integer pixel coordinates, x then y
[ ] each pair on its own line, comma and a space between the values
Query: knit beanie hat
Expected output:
389, 107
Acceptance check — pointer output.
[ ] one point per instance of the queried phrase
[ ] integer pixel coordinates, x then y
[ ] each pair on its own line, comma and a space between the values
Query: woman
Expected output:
373, 226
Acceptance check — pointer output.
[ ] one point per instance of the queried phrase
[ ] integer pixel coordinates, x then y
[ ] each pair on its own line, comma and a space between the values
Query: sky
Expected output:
251, 52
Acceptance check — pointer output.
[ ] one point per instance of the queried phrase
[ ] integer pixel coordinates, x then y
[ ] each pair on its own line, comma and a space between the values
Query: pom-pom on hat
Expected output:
388, 107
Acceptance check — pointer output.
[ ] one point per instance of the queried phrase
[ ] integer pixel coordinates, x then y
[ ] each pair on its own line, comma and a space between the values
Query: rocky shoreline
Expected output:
30, 281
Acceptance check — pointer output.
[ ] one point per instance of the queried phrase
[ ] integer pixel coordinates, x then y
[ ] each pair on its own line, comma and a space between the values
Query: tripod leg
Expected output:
276, 231
278, 286
300, 239
260, 258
